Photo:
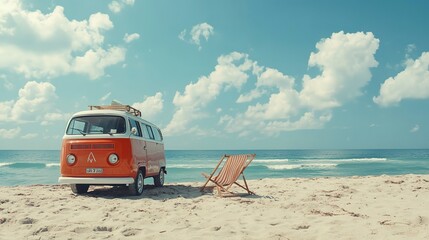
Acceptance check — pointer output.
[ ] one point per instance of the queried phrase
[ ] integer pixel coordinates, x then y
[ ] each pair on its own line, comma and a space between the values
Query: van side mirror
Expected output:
134, 131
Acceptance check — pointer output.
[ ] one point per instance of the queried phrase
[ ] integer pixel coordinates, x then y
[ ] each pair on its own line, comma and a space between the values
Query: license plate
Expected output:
94, 170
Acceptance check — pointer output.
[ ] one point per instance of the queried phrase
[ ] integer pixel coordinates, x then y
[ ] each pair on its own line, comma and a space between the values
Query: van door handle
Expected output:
144, 148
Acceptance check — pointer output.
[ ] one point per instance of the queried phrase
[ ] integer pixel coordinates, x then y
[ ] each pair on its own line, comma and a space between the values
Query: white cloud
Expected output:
202, 30
94, 62
34, 100
229, 72
131, 37
415, 128
117, 6
411, 83
56, 42
267, 78
182, 35
6, 83
248, 97
5, 110
151, 106
410, 48
199, 31
344, 61
9, 133
100, 21
129, 2
30, 136
51, 117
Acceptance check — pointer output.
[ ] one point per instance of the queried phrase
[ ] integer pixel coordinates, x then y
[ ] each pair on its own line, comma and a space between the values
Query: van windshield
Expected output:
96, 125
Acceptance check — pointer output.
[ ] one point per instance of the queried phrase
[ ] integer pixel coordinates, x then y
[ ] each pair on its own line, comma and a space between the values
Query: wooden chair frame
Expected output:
228, 174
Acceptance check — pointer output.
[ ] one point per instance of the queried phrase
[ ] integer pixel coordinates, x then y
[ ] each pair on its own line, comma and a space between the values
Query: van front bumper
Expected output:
88, 180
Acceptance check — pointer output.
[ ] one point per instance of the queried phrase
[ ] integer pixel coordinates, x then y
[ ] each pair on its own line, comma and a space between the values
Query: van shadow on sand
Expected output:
167, 192
150, 191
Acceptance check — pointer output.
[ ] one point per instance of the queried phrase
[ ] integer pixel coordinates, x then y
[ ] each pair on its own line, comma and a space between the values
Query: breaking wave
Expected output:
28, 165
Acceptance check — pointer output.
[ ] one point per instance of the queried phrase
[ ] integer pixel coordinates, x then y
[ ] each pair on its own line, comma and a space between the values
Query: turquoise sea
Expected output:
19, 167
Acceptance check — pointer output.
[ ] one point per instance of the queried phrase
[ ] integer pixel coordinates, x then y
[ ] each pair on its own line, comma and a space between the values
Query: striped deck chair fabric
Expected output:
228, 174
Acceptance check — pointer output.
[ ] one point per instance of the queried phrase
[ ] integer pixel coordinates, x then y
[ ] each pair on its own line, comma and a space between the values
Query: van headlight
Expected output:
113, 159
71, 159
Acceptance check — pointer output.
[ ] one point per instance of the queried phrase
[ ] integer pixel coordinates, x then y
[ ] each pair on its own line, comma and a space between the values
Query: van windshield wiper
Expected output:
80, 131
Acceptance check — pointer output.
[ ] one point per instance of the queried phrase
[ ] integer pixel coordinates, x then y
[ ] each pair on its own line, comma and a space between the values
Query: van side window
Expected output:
156, 134
144, 130
149, 129
160, 134
135, 124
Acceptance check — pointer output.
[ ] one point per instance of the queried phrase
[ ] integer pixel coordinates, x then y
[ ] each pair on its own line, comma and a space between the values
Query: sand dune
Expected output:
381, 207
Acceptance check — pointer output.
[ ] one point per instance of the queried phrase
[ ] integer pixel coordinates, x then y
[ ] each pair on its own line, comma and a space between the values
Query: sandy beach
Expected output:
380, 207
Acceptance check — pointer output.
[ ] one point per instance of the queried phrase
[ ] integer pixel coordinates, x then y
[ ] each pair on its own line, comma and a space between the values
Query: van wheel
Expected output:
137, 187
159, 179
79, 188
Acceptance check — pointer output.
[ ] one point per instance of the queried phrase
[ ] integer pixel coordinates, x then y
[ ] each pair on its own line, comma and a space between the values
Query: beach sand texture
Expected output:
379, 207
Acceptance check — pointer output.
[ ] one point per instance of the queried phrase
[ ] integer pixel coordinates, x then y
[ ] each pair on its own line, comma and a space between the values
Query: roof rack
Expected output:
125, 108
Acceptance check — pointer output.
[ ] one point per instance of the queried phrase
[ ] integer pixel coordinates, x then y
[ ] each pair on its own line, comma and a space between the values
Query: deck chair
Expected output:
228, 174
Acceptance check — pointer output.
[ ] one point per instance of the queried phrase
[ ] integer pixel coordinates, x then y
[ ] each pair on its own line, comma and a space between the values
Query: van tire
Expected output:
159, 179
79, 188
137, 187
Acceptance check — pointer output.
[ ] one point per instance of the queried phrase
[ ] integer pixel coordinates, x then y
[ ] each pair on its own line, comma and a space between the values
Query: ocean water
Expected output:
42, 167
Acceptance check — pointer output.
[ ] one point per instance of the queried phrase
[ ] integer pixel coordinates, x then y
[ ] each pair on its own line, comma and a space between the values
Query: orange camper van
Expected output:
111, 145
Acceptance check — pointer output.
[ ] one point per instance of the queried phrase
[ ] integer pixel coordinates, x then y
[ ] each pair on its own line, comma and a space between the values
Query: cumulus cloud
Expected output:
93, 62
9, 133
411, 83
344, 61
131, 37
34, 99
117, 6
151, 106
57, 44
229, 72
198, 32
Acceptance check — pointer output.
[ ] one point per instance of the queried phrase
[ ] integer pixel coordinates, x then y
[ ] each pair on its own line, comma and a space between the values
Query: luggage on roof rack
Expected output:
125, 108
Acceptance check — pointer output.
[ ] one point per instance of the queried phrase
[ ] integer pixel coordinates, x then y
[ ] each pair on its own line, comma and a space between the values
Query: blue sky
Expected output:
220, 74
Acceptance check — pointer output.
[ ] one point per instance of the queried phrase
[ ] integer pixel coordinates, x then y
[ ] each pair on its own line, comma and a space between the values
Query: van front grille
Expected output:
80, 146
93, 146
103, 146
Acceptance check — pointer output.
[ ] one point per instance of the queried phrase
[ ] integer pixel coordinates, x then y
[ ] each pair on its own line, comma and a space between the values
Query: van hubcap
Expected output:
140, 183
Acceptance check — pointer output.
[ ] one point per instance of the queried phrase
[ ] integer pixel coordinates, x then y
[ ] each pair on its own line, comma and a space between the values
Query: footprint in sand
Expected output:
102, 229
300, 227
40, 230
27, 221
130, 232
81, 230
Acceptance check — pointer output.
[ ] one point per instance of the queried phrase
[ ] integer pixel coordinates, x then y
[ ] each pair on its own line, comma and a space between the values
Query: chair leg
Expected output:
202, 188
209, 178
246, 186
